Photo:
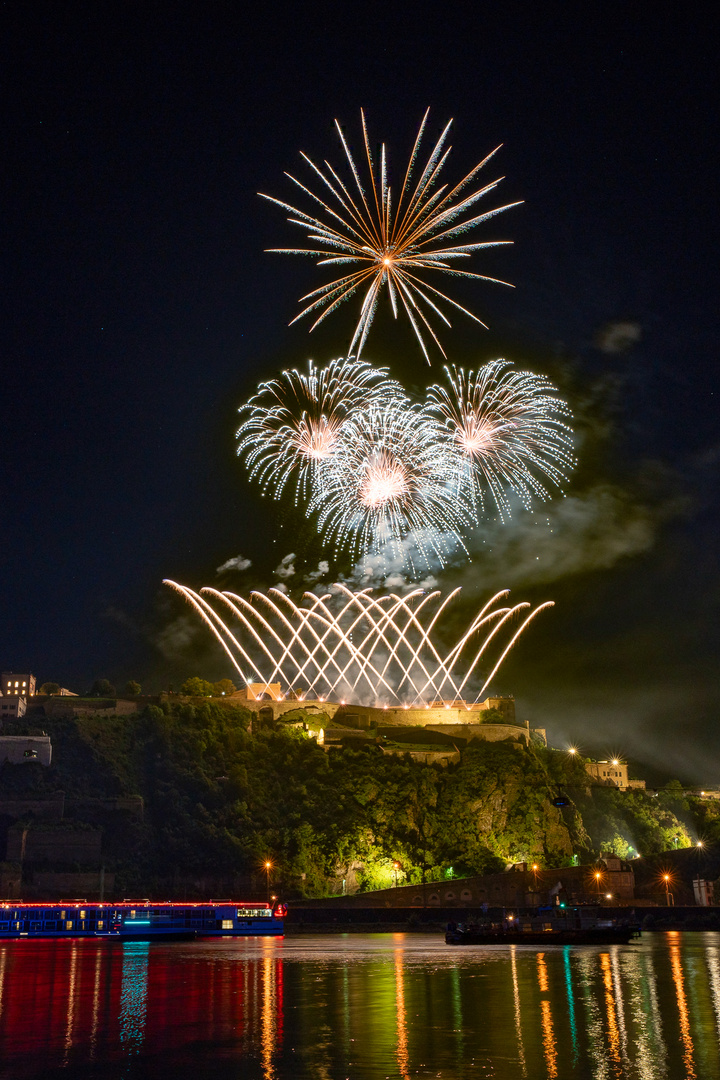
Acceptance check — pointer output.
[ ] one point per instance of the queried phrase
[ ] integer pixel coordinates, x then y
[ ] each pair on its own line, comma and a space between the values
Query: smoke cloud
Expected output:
618, 337
575, 534
286, 569
238, 563
322, 571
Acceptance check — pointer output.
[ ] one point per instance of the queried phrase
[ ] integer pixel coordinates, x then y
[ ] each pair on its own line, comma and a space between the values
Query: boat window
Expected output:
227, 924
83, 914
100, 924
68, 924
132, 913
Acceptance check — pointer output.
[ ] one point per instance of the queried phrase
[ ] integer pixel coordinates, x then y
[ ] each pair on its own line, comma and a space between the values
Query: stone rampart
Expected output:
21, 749
53, 845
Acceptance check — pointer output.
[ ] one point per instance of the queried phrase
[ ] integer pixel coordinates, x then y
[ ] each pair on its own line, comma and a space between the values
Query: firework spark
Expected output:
351, 644
292, 424
391, 475
509, 430
388, 245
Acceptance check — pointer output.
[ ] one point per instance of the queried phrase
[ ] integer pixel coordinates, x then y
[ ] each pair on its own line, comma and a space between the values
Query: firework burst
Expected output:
292, 424
508, 428
391, 246
391, 475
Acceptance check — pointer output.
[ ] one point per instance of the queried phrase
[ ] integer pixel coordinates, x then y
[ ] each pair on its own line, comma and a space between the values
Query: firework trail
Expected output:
391, 475
391, 246
509, 430
291, 425
350, 643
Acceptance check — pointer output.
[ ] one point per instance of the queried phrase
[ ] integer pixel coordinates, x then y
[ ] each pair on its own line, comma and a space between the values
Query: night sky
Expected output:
139, 310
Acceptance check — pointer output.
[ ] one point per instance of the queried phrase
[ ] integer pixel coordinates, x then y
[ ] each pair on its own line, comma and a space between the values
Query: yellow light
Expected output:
535, 866
387, 262
572, 750
597, 876
615, 761
608, 896
268, 865
666, 877
699, 843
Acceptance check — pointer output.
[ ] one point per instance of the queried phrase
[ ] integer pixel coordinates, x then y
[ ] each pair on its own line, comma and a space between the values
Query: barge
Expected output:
546, 926
140, 919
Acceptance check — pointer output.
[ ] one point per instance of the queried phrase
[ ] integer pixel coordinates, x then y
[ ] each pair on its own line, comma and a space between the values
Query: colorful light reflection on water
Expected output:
360, 1006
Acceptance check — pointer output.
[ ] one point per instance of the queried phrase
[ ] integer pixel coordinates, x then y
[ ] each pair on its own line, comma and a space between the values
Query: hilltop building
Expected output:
20, 684
613, 773
12, 708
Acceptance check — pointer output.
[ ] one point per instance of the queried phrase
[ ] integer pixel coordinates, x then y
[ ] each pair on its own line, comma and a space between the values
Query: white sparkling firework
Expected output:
388, 245
291, 425
346, 644
509, 429
391, 476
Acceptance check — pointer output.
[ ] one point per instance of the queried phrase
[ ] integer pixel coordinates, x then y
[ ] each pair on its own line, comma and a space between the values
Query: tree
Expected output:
196, 687
225, 686
49, 688
102, 688
133, 688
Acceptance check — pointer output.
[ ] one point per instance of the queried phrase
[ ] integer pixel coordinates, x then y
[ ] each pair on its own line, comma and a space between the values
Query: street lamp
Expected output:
396, 867
669, 898
268, 868
598, 875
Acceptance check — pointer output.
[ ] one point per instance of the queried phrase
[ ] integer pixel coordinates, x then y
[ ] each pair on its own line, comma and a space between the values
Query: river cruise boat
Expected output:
546, 926
140, 919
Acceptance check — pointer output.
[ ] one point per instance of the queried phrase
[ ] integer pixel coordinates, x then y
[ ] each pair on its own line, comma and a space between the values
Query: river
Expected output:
365, 1007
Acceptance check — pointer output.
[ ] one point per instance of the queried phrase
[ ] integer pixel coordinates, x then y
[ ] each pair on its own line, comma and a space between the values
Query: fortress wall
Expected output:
361, 716
487, 732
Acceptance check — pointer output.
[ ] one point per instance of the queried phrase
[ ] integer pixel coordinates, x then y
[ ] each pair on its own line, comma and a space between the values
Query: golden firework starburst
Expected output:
391, 246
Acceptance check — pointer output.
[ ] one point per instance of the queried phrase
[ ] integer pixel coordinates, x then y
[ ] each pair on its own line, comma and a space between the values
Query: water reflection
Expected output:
685, 1033
360, 1006
549, 1045
133, 995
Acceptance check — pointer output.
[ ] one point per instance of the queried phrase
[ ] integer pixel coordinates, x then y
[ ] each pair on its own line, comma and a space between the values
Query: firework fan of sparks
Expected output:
509, 428
350, 643
291, 425
391, 246
390, 476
